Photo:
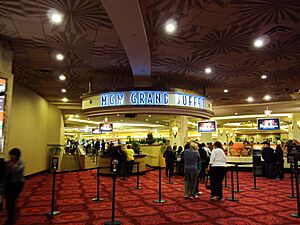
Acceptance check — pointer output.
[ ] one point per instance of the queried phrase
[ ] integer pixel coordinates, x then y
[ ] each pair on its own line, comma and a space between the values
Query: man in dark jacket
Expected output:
268, 154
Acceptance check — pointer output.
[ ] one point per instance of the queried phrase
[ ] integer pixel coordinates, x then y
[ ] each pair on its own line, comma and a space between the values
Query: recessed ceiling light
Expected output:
121, 120
147, 119
59, 57
263, 76
76, 116
149, 115
170, 26
62, 77
208, 70
226, 90
63, 90
267, 97
258, 43
156, 121
248, 121
56, 18
250, 99
118, 114
65, 99
236, 113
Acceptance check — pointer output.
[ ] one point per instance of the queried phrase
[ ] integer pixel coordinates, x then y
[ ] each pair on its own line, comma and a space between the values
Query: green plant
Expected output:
135, 146
55, 149
150, 139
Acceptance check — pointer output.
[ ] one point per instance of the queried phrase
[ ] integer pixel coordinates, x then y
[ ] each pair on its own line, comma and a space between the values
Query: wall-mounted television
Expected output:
207, 126
96, 131
268, 124
106, 127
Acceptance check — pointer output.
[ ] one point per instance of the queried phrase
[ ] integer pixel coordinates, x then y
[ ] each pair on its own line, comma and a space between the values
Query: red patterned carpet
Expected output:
269, 205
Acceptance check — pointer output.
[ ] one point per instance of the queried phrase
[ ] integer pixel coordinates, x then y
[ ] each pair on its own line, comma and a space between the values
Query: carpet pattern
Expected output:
269, 205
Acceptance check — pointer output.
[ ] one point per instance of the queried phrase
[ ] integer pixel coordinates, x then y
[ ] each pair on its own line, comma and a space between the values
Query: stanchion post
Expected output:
113, 221
292, 182
53, 212
159, 200
138, 176
232, 187
254, 178
98, 199
237, 179
225, 185
297, 215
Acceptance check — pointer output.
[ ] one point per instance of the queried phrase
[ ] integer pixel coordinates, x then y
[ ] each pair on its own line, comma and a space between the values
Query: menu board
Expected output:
2, 108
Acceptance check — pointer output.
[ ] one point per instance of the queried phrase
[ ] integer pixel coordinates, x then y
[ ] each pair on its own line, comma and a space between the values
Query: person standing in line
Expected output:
129, 159
191, 159
279, 162
268, 154
13, 182
217, 168
169, 158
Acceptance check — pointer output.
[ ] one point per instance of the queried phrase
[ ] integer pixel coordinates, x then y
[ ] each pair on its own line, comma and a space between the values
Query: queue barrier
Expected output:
296, 174
159, 200
232, 186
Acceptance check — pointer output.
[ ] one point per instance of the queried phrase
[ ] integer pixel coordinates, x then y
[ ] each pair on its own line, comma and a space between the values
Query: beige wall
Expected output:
34, 123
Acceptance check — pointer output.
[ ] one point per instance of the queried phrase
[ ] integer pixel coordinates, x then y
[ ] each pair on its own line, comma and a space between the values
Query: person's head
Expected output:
218, 144
194, 146
203, 145
15, 153
187, 145
128, 146
179, 149
169, 148
266, 144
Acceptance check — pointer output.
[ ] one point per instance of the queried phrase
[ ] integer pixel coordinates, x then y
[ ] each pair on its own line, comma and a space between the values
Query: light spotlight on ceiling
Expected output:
259, 42
170, 26
225, 90
56, 18
236, 113
59, 56
63, 90
208, 70
250, 99
62, 77
65, 99
267, 97
263, 76
76, 116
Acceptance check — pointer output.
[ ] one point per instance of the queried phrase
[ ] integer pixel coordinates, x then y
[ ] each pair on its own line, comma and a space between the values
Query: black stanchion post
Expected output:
232, 187
113, 221
159, 200
297, 215
237, 179
138, 176
254, 178
292, 182
53, 212
98, 199
225, 185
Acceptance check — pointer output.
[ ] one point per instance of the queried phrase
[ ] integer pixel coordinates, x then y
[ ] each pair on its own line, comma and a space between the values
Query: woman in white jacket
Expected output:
217, 168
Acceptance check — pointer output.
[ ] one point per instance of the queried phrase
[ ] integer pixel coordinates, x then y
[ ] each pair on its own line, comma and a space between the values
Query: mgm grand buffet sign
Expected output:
148, 102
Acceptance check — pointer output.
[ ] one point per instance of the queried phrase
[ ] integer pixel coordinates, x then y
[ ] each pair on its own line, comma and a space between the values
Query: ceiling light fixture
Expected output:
226, 90
170, 26
250, 99
63, 90
62, 77
208, 70
65, 99
258, 43
147, 119
60, 57
267, 97
236, 113
76, 116
56, 18
263, 76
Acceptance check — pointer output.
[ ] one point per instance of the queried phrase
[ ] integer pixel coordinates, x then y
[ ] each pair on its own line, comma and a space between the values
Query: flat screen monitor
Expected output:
268, 124
96, 131
207, 126
106, 127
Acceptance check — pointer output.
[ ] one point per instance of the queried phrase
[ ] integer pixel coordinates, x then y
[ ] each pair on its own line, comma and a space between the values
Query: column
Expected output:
178, 130
206, 137
294, 129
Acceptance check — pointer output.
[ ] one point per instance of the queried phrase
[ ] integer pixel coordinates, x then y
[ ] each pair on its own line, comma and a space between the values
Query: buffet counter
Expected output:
248, 159
104, 161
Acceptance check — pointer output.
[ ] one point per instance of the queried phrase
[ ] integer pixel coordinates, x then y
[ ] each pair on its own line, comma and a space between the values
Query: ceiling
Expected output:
213, 33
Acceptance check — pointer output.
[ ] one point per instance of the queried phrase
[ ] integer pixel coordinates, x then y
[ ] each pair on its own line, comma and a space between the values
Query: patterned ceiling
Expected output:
215, 33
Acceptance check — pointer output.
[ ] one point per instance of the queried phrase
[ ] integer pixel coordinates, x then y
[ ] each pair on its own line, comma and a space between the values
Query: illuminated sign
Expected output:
147, 98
